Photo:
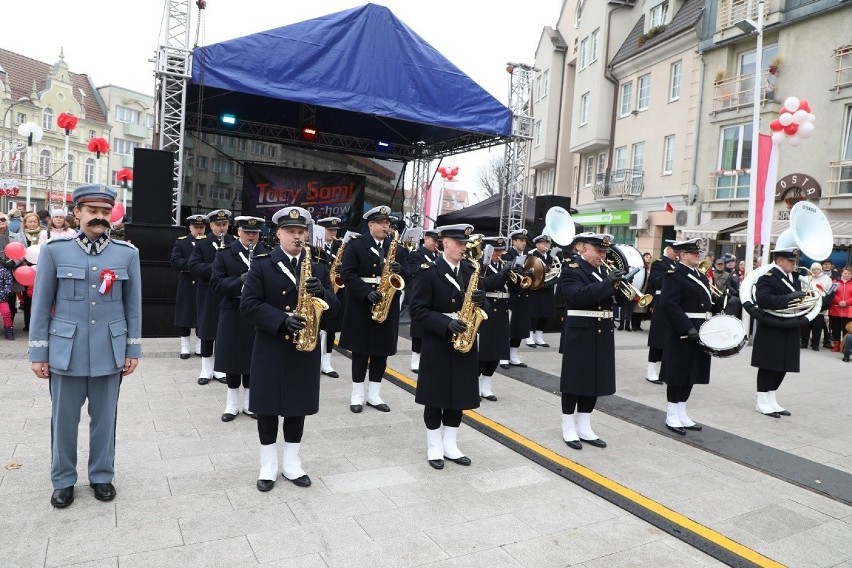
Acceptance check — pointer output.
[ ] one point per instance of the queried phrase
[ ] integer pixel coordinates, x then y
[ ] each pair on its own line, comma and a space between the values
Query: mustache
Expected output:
96, 222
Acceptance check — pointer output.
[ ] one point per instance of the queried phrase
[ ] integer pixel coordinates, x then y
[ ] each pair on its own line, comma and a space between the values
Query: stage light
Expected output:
229, 119
309, 133
381, 145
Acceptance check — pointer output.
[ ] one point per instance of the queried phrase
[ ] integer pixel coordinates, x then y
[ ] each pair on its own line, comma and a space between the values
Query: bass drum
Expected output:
722, 336
632, 259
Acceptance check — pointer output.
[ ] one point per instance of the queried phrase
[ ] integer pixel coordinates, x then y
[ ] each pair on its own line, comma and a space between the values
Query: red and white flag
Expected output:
669, 207
767, 174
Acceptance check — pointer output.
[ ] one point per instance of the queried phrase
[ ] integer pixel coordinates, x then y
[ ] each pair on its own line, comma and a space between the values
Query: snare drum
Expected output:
722, 336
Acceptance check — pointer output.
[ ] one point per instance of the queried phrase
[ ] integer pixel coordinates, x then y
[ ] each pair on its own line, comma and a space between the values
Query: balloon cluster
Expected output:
448, 173
98, 146
795, 122
24, 274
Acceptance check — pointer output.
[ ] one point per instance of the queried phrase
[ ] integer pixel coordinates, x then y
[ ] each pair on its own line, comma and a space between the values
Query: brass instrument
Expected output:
523, 281
336, 280
310, 308
627, 288
471, 314
389, 283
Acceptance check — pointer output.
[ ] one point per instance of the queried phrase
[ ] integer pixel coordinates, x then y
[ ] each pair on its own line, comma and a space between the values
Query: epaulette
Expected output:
199, 237
425, 265
59, 239
573, 265
261, 255
768, 273
671, 270
181, 238
124, 243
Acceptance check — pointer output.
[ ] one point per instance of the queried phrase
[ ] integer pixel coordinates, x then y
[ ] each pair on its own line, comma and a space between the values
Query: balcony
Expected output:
618, 185
732, 11
840, 178
224, 177
729, 185
843, 73
137, 130
738, 92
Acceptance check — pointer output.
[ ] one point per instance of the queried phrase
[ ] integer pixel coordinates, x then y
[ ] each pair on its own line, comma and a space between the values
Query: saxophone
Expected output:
309, 307
470, 313
389, 283
336, 280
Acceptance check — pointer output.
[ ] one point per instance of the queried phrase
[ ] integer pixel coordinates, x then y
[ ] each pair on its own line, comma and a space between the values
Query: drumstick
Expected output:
710, 333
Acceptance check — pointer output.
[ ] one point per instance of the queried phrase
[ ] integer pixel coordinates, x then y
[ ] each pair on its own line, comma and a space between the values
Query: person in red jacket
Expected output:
840, 311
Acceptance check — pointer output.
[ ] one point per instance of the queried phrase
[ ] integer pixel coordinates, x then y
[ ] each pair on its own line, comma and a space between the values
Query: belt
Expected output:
699, 315
589, 313
371, 279
497, 295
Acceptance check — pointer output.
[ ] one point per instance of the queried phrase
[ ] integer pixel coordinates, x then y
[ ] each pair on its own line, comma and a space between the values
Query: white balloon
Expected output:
811, 118
778, 137
792, 104
32, 253
786, 119
806, 130
800, 117
794, 140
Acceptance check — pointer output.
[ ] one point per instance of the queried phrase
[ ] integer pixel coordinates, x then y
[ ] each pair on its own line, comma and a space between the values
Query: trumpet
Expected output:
523, 281
628, 289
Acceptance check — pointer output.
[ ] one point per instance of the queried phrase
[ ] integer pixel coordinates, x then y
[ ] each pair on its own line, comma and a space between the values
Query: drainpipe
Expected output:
608, 75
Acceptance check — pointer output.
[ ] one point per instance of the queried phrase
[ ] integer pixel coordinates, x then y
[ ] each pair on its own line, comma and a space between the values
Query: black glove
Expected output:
243, 276
314, 286
9, 263
795, 295
478, 297
374, 297
692, 334
396, 268
456, 326
294, 323
615, 275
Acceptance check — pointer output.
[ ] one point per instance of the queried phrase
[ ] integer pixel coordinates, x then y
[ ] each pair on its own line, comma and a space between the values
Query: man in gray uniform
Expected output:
85, 334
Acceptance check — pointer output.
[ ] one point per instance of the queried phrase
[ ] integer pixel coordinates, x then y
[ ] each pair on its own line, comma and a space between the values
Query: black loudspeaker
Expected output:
545, 202
152, 186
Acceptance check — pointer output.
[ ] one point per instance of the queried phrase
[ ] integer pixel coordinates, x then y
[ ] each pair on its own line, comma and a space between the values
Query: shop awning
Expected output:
712, 228
842, 231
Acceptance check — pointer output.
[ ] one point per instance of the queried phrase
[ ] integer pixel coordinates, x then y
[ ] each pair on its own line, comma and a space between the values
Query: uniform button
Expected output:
94, 268
286, 307
599, 331
93, 285
286, 337
93, 303
69, 274
93, 322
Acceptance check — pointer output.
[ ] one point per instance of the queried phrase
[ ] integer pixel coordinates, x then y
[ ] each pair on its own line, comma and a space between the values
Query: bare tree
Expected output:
492, 176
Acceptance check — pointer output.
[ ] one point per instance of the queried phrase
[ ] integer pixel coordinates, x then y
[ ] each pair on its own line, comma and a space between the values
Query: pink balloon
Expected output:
442, 170
25, 275
803, 105
455, 170
117, 213
450, 177
15, 251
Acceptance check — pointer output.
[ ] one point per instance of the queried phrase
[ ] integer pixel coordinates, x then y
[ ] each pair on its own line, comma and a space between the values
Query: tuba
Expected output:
389, 283
310, 308
471, 314
559, 226
810, 232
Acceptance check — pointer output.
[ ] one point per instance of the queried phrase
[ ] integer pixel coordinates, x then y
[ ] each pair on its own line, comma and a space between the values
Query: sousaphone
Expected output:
559, 228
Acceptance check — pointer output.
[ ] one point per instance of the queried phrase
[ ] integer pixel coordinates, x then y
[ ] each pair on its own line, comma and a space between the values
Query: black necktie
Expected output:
456, 273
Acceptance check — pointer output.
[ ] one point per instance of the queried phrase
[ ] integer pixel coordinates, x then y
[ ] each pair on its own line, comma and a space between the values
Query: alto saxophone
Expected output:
309, 307
389, 283
336, 280
471, 314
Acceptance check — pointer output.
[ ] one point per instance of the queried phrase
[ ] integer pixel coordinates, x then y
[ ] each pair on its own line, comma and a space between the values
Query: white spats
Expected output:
184, 345
268, 462
206, 368
357, 394
763, 405
583, 422
569, 431
373, 394
672, 416
451, 449
232, 401
773, 402
415, 361
513, 356
292, 464
685, 421
652, 373
434, 445
485, 387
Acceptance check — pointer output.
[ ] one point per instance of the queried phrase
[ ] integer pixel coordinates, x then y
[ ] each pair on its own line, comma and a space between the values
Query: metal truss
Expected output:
420, 183
517, 158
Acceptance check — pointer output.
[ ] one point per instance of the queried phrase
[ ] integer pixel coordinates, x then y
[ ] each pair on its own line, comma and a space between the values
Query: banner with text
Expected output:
266, 189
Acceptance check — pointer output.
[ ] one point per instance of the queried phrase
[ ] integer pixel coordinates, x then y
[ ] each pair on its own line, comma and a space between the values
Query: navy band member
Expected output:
659, 324
330, 325
686, 303
423, 257
519, 303
235, 334
494, 332
85, 334
206, 299
542, 301
285, 381
185, 295
447, 384
776, 350
587, 344
371, 342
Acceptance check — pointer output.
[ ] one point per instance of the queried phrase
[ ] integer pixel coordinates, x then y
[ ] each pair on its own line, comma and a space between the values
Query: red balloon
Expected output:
455, 170
25, 275
450, 177
442, 170
791, 129
803, 105
444, 175
117, 213
776, 126
15, 251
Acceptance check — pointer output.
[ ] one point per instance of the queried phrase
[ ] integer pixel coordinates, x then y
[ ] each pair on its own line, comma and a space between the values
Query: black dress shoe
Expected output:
597, 442
783, 412
415, 371
332, 374
657, 382
356, 408
223, 380
677, 429
464, 460
531, 345
505, 366
203, 380
695, 427
380, 407
103, 491
265, 484
184, 355
815, 347
437, 464
543, 344
226, 417
251, 415
574, 444
302, 481
518, 364
61, 498
846, 358
490, 397
771, 414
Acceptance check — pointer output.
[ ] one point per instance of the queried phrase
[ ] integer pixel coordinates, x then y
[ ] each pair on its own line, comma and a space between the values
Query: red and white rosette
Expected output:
107, 278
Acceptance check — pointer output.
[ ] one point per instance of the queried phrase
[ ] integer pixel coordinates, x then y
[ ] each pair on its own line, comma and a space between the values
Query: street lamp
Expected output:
8, 110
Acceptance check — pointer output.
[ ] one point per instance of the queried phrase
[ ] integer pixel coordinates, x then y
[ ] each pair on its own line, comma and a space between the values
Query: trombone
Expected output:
705, 266
628, 289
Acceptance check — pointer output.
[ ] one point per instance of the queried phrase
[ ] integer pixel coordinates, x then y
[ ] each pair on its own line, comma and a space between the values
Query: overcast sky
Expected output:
112, 41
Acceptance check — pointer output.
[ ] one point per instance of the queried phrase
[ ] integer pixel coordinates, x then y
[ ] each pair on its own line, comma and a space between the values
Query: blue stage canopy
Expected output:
359, 73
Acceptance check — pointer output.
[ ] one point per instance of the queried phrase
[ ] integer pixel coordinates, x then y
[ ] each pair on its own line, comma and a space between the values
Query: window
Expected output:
537, 134
123, 147
659, 15
548, 182
668, 154
590, 171
270, 150
127, 115
584, 108
92, 134
545, 82
845, 178
47, 119
44, 163
538, 88
626, 99
584, 53
601, 162
89, 171
70, 176
674, 81
733, 174
202, 162
22, 118
637, 161
149, 120
620, 159
256, 147
238, 169
644, 95
241, 144
200, 189
596, 42
747, 64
